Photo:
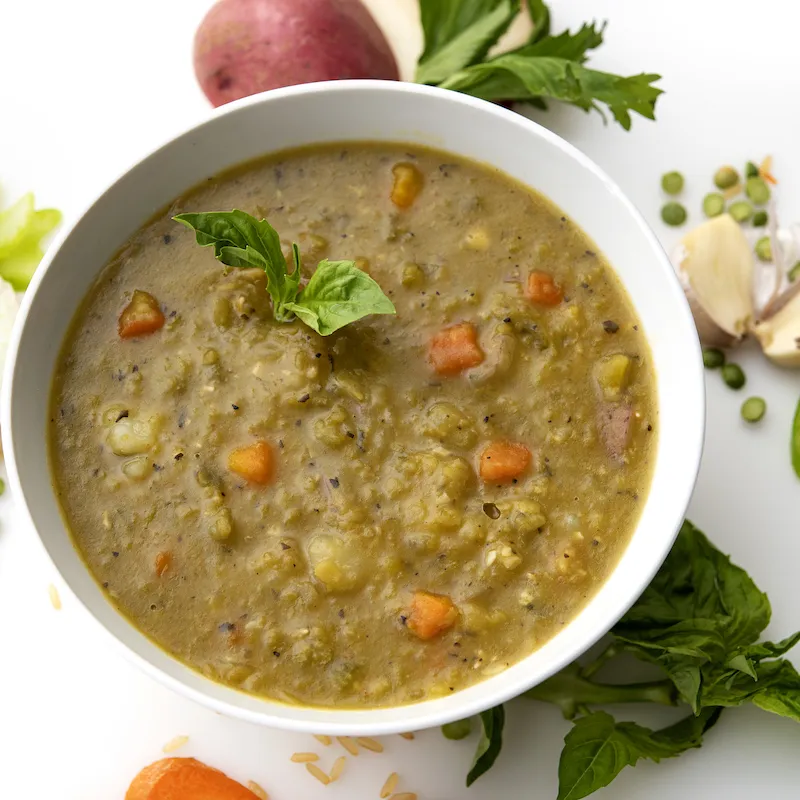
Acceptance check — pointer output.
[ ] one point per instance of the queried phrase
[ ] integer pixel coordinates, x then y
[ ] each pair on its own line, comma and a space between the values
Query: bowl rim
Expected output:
359, 721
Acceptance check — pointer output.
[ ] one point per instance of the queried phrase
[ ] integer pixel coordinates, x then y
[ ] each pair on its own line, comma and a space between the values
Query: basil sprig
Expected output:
337, 294
459, 36
699, 621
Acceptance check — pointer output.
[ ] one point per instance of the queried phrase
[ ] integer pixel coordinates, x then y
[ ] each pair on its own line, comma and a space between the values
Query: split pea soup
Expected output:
378, 516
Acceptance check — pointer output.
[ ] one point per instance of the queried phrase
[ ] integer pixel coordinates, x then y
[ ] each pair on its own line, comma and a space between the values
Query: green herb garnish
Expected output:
699, 622
337, 294
22, 229
459, 35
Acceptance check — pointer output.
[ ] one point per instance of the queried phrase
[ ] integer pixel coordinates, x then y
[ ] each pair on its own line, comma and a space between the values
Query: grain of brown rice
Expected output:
368, 743
257, 790
404, 796
348, 744
173, 744
318, 774
337, 769
389, 786
408, 735
55, 600
303, 758
322, 739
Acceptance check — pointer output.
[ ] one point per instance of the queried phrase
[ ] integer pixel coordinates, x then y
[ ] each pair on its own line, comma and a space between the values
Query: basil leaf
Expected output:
337, 294
240, 240
699, 610
458, 34
490, 744
598, 748
540, 17
573, 46
519, 77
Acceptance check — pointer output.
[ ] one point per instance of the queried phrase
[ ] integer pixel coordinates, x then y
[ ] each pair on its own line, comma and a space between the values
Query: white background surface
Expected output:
88, 87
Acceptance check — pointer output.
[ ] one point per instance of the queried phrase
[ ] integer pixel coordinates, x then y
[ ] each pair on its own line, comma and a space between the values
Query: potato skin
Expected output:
243, 47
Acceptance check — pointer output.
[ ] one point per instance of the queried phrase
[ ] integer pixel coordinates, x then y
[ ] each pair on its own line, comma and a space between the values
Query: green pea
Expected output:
760, 219
733, 376
764, 249
726, 177
757, 190
750, 170
672, 182
713, 204
713, 358
741, 211
794, 272
457, 730
753, 409
673, 213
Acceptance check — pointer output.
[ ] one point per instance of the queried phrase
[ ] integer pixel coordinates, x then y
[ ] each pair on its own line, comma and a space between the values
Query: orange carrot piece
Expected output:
185, 779
255, 463
455, 349
543, 289
501, 462
163, 562
141, 316
408, 182
431, 614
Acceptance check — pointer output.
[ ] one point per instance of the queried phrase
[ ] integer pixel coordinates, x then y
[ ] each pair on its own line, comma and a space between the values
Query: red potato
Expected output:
243, 47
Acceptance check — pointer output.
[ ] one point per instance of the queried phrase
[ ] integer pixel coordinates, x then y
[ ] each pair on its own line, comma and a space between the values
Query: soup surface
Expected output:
440, 491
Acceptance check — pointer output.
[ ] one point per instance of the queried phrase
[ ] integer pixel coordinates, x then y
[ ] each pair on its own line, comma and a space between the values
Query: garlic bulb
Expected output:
715, 265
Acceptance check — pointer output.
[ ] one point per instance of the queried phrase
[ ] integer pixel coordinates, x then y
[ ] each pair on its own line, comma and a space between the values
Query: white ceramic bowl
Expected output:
380, 111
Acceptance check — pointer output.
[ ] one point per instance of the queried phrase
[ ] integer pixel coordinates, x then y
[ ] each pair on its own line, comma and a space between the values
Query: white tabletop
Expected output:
88, 87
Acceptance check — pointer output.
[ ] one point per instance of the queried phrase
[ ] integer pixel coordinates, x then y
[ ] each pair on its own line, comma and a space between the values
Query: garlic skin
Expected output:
778, 332
715, 265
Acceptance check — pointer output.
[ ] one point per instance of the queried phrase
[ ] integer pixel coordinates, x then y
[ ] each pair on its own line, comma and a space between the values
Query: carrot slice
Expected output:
431, 614
255, 463
141, 316
163, 562
185, 779
455, 349
543, 289
408, 182
501, 462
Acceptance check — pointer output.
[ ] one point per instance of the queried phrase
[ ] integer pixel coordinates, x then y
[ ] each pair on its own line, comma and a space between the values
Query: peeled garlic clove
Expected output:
715, 265
779, 332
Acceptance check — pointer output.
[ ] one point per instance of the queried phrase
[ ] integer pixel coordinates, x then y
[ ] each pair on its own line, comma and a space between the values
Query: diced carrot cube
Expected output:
431, 614
141, 316
163, 562
501, 462
455, 349
408, 182
254, 463
543, 289
185, 779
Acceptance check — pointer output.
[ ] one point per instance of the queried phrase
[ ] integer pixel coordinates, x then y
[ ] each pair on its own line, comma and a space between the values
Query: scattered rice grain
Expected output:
407, 735
257, 790
173, 744
404, 796
389, 786
318, 774
368, 743
337, 769
348, 744
322, 739
55, 600
303, 758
